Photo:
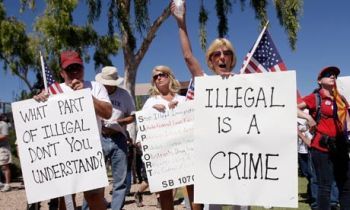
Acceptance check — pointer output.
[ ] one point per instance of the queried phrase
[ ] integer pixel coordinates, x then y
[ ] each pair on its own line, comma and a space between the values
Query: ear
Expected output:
210, 64
62, 73
319, 81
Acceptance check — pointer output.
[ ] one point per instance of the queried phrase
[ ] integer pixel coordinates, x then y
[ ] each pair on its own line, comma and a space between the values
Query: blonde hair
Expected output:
214, 46
174, 85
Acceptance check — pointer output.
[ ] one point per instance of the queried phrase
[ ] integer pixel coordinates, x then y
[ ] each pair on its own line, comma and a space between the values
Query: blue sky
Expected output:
323, 40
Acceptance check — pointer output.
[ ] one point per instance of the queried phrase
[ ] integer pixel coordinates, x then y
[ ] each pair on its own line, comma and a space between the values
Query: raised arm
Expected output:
191, 62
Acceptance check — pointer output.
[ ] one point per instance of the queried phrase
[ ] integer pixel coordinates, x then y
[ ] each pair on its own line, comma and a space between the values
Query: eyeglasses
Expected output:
161, 75
217, 54
329, 74
73, 67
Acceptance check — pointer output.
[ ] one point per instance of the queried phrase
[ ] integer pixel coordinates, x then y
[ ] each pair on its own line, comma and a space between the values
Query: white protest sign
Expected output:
59, 145
246, 140
343, 84
167, 145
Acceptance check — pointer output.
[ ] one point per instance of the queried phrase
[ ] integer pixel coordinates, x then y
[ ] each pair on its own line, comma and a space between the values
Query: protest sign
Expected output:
245, 133
167, 146
59, 145
343, 84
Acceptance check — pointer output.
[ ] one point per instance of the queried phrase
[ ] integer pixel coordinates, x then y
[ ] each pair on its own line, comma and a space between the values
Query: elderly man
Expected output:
114, 141
72, 72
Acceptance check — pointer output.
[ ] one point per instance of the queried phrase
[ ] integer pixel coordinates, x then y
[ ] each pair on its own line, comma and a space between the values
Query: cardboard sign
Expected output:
167, 145
343, 84
246, 140
59, 145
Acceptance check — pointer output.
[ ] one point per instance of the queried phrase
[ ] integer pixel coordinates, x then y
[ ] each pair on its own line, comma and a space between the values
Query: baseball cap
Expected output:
327, 69
70, 57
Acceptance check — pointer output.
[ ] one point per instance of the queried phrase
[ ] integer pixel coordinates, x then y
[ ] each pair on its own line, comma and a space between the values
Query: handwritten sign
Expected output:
167, 145
59, 145
245, 140
343, 84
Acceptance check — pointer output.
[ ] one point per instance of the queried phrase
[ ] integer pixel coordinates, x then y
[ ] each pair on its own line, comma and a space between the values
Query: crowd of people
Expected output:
324, 144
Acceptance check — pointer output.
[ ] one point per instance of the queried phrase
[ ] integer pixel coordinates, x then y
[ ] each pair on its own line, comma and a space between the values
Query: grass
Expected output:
302, 205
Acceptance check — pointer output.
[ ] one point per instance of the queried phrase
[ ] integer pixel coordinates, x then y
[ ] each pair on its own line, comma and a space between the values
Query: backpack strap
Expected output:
318, 106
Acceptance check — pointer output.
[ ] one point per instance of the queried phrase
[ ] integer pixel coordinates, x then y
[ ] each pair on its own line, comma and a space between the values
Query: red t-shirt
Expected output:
327, 124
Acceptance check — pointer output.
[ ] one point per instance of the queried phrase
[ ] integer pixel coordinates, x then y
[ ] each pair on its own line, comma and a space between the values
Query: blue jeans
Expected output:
314, 188
329, 167
306, 170
128, 182
115, 149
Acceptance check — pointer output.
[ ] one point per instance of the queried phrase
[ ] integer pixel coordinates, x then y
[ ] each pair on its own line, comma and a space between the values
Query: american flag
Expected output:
53, 86
265, 57
190, 90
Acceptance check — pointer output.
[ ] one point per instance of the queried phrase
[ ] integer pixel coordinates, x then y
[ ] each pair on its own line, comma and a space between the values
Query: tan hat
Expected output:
109, 76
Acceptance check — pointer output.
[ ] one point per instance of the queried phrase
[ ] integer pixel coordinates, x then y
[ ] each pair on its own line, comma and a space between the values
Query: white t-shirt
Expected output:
302, 147
97, 90
123, 106
4, 130
152, 100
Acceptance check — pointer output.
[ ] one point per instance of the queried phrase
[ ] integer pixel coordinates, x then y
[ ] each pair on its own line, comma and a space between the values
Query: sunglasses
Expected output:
161, 75
329, 74
73, 67
217, 54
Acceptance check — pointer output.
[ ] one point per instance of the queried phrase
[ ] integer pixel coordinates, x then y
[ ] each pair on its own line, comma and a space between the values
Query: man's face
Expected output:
110, 89
71, 72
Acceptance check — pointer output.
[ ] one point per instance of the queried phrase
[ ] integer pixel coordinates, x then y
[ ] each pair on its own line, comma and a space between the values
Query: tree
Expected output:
53, 32
288, 12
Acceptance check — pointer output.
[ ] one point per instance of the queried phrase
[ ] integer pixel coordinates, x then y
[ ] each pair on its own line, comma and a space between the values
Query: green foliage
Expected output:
2, 11
222, 9
94, 10
203, 18
260, 10
55, 31
288, 12
106, 45
142, 22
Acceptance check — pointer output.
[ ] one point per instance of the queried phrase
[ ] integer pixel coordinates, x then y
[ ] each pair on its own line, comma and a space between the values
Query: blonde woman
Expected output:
220, 58
164, 91
163, 96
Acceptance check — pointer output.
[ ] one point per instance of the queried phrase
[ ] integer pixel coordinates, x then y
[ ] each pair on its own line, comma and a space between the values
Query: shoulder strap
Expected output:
318, 107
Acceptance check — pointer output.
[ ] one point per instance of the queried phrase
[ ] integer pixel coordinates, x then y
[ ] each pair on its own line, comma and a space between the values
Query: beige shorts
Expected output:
5, 155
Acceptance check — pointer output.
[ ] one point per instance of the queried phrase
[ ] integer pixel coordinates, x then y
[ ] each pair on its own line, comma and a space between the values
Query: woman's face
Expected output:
161, 80
221, 60
328, 81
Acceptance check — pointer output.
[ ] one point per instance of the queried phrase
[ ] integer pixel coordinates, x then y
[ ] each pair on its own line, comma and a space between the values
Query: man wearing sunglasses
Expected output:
72, 72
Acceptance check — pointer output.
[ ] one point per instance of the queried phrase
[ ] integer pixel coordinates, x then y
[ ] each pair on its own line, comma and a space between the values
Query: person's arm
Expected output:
2, 137
102, 108
310, 121
304, 138
126, 120
191, 62
42, 96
